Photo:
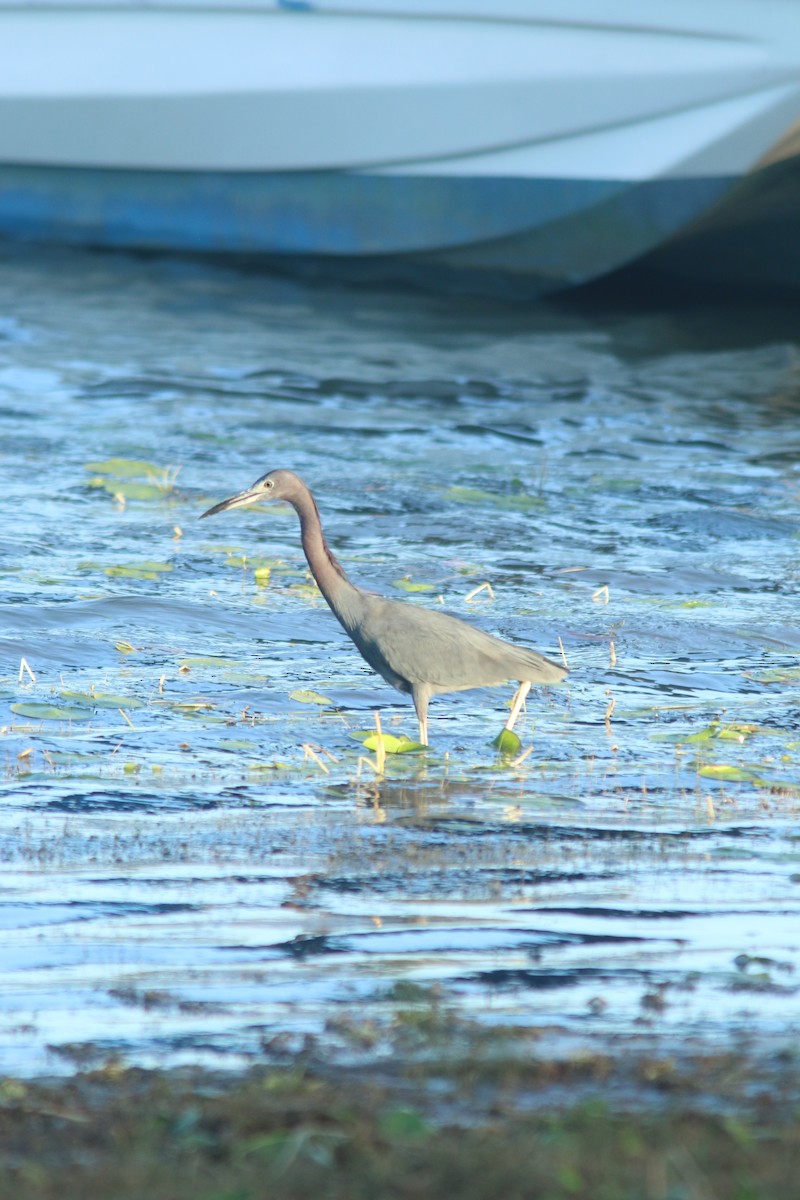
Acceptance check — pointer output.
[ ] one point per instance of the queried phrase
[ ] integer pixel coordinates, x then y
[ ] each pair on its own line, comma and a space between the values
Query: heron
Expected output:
417, 651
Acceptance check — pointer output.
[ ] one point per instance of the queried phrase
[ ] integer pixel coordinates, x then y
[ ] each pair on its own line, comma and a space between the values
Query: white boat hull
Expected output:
545, 142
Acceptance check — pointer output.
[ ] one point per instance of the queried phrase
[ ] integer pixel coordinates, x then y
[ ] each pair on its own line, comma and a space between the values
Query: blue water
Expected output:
194, 862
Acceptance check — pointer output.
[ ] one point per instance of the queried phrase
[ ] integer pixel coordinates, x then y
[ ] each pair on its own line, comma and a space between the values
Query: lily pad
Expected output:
50, 712
409, 585
515, 502
730, 774
304, 589
507, 743
304, 697
126, 468
101, 700
131, 490
778, 675
732, 732
392, 744
143, 570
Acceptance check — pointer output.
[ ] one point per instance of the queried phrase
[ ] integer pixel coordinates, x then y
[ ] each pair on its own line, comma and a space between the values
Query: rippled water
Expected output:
181, 877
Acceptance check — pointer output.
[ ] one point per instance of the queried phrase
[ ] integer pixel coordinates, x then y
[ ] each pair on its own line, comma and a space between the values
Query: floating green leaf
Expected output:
143, 570
124, 647
132, 491
703, 735
732, 732
101, 700
50, 712
507, 743
304, 697
409, 585
304, 589
516, 501
736, 732
203, 715
730, 774
392, 744
778, 675
126, 468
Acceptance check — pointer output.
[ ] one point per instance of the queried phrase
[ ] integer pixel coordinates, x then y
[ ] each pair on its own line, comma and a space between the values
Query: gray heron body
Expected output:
417, 651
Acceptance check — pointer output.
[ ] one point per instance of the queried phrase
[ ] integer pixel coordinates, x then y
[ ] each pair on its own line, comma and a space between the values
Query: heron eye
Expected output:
268, 483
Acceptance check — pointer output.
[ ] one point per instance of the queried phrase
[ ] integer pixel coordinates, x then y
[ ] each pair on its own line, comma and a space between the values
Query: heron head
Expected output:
271, 486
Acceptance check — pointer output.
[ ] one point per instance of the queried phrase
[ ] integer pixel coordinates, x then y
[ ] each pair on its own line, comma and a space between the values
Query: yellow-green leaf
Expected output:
304, 589
778, 675
391, 744
131, 490
305, 697
704, 735
126, 468
409, 585
515, 502
507, 743
729, 774
144, 570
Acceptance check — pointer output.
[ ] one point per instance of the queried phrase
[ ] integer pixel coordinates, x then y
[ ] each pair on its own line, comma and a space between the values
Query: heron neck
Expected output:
330, 575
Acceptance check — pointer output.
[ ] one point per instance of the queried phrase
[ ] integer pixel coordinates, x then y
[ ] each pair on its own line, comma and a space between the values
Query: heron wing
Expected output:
411, 646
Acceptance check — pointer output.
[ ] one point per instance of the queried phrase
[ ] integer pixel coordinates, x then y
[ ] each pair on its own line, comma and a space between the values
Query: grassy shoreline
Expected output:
474, 1122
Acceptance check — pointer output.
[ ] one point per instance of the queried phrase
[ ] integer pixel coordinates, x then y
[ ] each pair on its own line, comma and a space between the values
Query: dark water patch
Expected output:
529, 978
634, 914
109, 801
486, 881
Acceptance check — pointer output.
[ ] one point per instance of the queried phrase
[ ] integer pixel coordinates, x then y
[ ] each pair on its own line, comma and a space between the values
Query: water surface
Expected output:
195, 864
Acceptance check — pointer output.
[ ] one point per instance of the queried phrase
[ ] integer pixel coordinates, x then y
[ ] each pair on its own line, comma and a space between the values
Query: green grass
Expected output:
294, 1132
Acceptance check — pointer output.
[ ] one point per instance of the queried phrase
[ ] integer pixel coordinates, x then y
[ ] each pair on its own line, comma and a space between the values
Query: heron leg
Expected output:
519, 700
421, 696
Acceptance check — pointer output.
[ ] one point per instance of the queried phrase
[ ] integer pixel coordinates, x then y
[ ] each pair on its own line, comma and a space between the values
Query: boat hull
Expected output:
539, 233
523, 140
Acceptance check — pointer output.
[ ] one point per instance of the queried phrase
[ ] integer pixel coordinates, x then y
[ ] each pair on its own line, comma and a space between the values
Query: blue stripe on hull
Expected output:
562, 230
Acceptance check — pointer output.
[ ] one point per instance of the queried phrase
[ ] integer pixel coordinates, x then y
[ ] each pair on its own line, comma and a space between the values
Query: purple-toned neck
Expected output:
341, 595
